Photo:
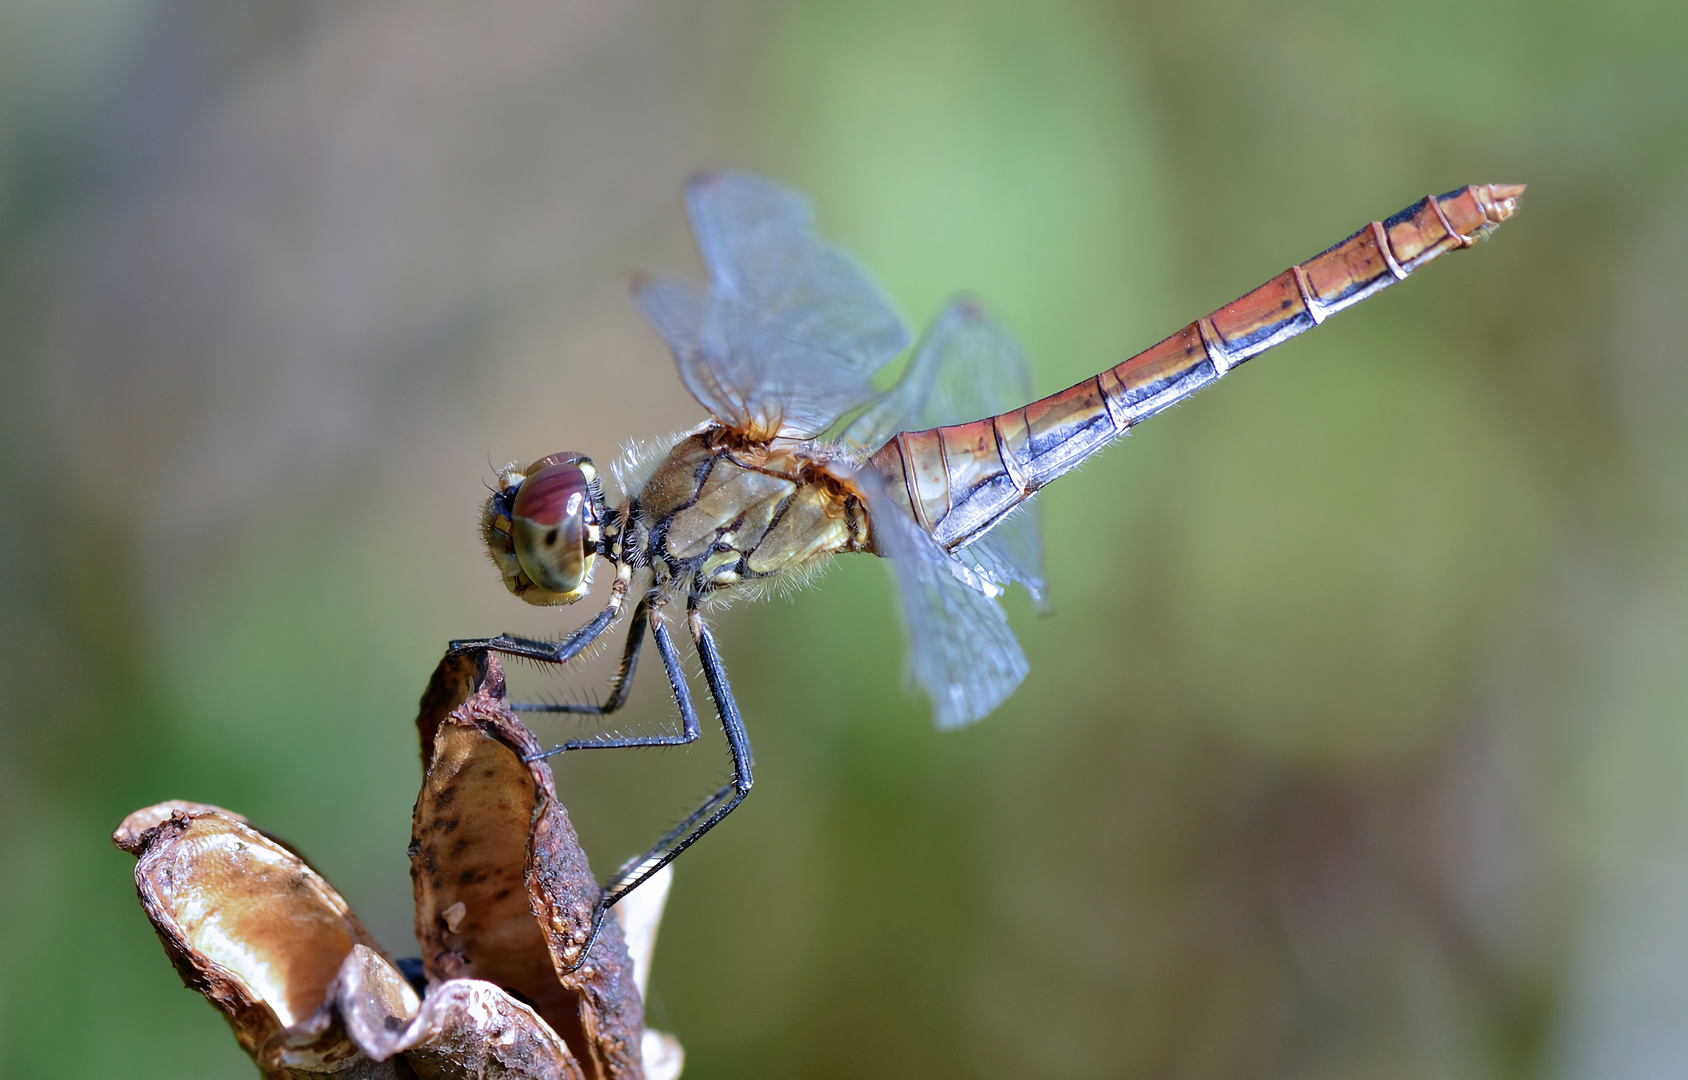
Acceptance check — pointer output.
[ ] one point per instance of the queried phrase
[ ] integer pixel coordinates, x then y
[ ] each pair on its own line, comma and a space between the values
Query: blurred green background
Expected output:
1358, 746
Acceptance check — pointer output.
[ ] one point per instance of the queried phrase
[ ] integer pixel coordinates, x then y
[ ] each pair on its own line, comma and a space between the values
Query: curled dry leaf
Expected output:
306, 990
464, 1028
244, 920
503, 891
505, 900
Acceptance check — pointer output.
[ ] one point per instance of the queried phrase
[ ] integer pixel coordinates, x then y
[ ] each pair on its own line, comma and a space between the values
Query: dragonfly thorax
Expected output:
722, 511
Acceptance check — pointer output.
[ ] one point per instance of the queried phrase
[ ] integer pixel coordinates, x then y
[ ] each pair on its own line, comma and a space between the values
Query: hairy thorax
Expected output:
721, 511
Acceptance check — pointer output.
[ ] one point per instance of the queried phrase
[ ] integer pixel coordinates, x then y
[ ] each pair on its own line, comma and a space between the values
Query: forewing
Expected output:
789, 386
679, 311
793, 329
960, 649
966, 367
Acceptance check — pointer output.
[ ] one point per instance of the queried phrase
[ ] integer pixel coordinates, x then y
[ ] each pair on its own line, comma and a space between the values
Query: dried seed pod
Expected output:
505, 902
503, 891
305, 989
244, 920
464, 1030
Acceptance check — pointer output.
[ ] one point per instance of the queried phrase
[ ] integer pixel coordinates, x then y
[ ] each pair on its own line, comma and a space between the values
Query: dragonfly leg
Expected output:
689, 731
555, 652
635, 872
620, 684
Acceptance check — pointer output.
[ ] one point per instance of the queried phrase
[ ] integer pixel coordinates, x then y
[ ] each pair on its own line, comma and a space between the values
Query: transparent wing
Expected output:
960, 649
791, 330
1013, 551
677, 310
965, 368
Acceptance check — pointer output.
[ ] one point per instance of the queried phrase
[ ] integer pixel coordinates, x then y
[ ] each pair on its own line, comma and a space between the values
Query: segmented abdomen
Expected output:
960, 480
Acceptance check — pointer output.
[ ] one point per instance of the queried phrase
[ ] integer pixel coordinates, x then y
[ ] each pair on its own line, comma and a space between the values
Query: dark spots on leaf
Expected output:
461, 846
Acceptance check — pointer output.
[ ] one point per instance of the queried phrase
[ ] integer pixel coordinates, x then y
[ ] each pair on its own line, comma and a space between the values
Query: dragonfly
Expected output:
801, 459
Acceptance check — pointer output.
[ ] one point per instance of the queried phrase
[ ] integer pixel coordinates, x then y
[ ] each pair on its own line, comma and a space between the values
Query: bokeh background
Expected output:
1358, 746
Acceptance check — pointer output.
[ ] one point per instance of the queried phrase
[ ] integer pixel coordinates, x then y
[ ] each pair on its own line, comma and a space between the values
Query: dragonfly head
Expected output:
541, 526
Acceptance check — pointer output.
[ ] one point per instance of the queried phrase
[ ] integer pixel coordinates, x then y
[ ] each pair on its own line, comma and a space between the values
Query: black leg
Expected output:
619, 685
635, 872
714, 809
554, 652
682, 698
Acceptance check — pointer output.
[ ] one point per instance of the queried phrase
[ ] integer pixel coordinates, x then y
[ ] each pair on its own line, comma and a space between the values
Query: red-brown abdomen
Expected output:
959, 480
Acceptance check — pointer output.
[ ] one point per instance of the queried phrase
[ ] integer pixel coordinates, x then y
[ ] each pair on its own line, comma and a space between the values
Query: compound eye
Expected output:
552, 526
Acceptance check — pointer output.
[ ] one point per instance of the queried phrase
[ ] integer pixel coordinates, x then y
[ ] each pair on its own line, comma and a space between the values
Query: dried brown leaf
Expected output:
505, 905
464, 1030
503, 891
263, 937
244, 920
469, 851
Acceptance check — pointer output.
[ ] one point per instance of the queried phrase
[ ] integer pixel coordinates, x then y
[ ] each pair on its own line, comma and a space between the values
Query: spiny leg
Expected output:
689, 730
620, 683
555, 652
714, 809
635, 872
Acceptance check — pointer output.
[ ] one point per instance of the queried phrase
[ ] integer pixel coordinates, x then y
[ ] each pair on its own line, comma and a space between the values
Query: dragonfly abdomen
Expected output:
960, 480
